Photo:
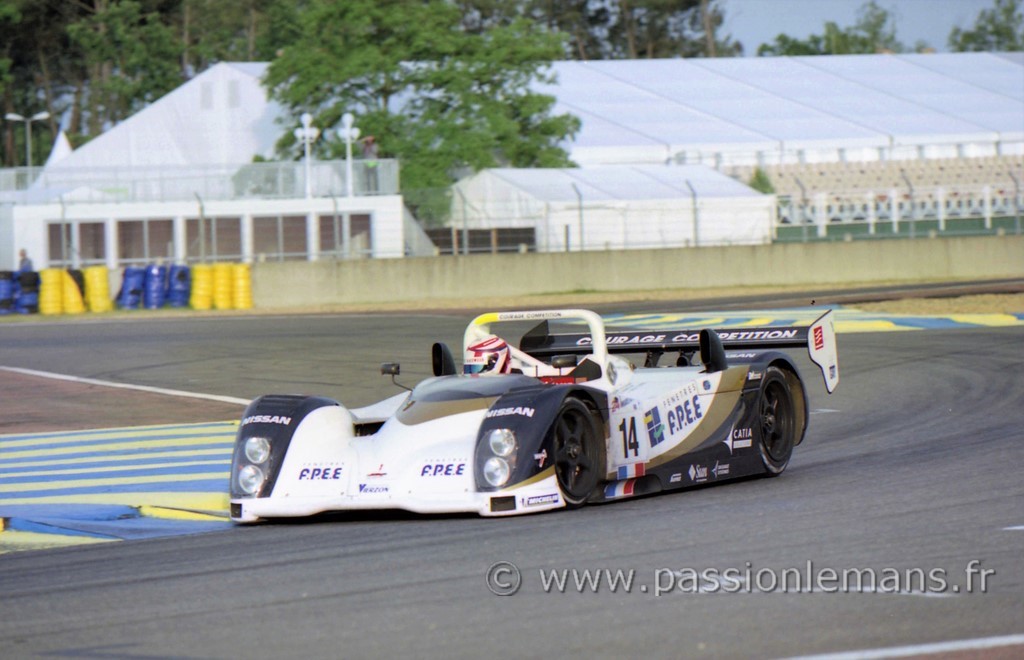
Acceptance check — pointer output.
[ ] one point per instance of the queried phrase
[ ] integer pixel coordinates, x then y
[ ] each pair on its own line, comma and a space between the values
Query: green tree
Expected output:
131, 58
874, 32
761, 182
614, 29
439, 98
214, 31
1000, 28
9, 19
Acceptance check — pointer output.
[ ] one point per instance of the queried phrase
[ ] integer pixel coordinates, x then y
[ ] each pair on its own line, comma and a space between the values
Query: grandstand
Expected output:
920, 189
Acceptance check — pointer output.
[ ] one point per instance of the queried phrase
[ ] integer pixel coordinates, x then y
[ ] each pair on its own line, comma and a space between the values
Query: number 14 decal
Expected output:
629, 441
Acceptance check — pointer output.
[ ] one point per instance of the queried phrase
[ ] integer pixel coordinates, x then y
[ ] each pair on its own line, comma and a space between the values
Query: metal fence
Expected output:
166, 183
932, 212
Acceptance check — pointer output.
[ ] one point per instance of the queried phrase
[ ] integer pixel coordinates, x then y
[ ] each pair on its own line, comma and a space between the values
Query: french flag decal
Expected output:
630, 471
619, 489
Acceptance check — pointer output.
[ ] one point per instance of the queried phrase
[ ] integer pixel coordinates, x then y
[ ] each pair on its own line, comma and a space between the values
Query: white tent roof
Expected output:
621, 183
642, 111
61, 150
779, 103
220, 117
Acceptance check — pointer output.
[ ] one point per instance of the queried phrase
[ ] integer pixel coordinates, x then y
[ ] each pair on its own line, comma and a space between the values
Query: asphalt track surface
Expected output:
913, 464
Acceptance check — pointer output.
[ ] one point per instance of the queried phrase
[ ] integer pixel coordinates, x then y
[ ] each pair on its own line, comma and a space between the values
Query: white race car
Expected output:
561, 420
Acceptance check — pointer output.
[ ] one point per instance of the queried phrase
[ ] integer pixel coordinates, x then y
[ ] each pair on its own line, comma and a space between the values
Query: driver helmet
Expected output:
488, 356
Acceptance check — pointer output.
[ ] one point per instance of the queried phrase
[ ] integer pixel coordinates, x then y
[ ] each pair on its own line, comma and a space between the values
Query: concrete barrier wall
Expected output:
287, 284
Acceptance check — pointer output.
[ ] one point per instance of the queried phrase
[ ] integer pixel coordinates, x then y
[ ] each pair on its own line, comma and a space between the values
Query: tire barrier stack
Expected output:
6, 292
130, 295
57, 291
51, 291
202, 287
241, 293
73, 285
179, 283
223, 286
60, 292
97, 289
26, 300
154, 293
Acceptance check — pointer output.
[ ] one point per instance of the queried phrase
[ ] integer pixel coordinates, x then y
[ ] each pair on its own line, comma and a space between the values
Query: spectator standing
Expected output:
370, 163
24, 263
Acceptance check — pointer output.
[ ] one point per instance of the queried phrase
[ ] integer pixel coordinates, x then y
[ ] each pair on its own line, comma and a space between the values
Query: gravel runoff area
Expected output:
1005, 303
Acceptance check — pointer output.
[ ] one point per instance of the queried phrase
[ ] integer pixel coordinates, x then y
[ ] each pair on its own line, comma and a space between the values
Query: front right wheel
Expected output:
578, 451
777, 420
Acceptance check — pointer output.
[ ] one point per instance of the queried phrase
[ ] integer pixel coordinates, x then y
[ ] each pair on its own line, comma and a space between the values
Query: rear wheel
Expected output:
777, 419
579, 451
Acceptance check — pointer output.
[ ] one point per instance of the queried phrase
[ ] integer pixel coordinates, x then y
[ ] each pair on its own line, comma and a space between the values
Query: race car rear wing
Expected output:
819, 338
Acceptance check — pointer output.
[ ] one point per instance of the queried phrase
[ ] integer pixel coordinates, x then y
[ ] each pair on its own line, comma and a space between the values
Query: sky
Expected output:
753, 22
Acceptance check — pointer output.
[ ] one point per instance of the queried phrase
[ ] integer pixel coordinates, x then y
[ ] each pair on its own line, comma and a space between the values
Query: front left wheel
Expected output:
578, 450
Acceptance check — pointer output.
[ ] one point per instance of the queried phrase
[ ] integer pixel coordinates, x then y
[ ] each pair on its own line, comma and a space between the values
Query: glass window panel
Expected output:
92, 248
161, 239
131, 246
293, 230
265, 244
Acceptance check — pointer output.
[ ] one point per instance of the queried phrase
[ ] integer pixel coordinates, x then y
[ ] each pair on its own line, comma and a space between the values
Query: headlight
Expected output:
250, 478
496, 471
502, 442
257, 450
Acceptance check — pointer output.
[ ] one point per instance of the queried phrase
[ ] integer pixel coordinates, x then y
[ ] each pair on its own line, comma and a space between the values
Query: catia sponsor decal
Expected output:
538, 500
739, 439
504, 412
443, 470
372, 488
266, 419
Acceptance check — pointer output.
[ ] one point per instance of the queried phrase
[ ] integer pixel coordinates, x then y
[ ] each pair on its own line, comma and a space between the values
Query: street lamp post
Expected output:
39, 116
307, 134
349, 133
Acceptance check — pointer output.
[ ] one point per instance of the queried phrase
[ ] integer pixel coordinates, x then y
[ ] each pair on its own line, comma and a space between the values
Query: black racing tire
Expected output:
578, 450
777, 421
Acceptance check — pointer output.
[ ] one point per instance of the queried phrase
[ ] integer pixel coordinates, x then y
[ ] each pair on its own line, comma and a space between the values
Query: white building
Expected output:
616, 207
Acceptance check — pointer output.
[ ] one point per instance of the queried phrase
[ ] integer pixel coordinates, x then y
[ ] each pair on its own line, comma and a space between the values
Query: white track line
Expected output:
125, 386
922, 649
1018, 528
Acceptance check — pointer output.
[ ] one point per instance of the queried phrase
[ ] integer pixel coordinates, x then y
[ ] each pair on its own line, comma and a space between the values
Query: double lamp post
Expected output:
39, 116
308, 134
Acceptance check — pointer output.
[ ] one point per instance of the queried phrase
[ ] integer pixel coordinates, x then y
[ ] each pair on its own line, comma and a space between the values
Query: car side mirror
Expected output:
712, 354
442, 360
393, 369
